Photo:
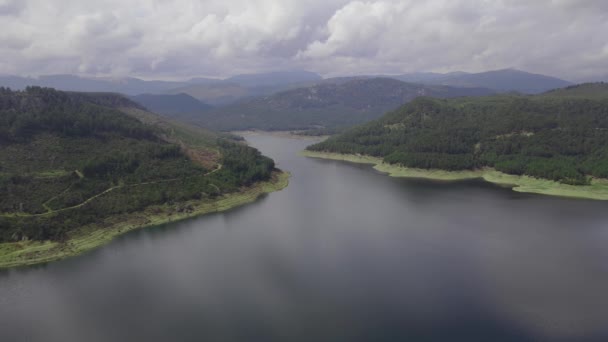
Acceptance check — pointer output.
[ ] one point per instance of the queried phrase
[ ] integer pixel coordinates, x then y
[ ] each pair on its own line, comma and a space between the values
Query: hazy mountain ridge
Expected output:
332, 103
135, 86
127, 86
208, 90
239, 87
275, 78
500, 80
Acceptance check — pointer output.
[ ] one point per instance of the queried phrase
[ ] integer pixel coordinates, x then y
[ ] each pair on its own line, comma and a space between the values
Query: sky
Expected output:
161, 39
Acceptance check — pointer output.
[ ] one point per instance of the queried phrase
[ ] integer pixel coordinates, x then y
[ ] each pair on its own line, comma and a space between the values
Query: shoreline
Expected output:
282, 134
87, 238
598, 190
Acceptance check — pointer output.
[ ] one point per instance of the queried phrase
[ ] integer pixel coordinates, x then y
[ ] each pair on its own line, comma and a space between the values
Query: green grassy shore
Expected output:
26, 253
597, 190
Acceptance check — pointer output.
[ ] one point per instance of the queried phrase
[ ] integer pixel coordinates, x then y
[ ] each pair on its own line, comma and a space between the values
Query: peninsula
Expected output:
77, 169
554, 143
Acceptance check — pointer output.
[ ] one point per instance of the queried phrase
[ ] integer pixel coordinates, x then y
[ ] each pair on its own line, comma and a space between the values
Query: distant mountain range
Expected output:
128, 86
274, 78
212, 91
220, 92
330, 105
500, 80
226, 93
293, 100
239, 87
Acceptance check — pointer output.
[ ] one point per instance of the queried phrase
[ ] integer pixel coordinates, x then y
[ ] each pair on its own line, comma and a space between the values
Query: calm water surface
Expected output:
343, 254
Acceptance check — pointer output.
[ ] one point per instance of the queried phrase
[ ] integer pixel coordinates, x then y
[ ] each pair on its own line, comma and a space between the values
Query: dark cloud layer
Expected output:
183, 38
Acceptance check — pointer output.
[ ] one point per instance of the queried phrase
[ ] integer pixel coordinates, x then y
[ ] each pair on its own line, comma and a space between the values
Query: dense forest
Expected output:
561, 135
68, 159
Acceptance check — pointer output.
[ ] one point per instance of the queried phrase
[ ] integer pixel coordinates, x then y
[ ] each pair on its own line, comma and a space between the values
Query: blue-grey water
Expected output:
343, 254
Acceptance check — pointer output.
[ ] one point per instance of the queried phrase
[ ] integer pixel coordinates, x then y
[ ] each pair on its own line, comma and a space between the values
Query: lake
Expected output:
344, 253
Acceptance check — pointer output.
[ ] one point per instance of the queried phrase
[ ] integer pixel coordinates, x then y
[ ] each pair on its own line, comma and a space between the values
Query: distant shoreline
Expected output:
296, 134
27, 253
598, 190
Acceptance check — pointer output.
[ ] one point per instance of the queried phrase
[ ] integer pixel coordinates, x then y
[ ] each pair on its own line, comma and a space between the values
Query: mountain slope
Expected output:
427, 77
562, 138
226, 93
275, 78
129, 86
584, 91
179, 106
240, 87
69, 160
500, 80
215, 94
325, 105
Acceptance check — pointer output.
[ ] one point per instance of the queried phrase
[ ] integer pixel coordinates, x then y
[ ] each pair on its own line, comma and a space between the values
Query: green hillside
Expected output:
70, 159
560, 135
585, 91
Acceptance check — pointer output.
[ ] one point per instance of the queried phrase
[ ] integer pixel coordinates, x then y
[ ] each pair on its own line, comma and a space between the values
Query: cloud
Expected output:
11, 7
182, 38
356, 29
560, 37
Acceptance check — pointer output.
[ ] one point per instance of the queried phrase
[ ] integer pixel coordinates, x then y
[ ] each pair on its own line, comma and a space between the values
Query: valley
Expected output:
342, 240
314, 171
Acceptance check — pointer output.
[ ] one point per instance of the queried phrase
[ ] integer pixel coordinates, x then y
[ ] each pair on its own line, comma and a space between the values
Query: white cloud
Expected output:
160, 38
356, 29
474, 35
11, 7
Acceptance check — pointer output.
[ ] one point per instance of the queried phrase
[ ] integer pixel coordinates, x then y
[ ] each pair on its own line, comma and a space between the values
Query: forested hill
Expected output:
69, 159
597, 90
560, 135
325, 105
